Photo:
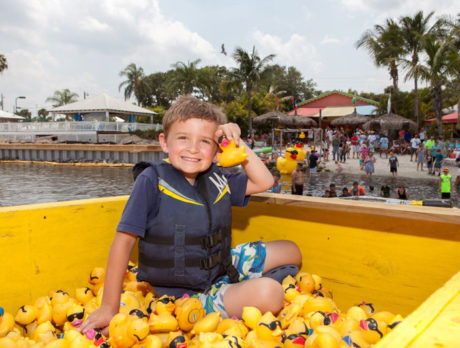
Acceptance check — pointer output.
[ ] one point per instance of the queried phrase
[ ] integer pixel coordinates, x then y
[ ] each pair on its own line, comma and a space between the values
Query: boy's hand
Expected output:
231, 131
99, 319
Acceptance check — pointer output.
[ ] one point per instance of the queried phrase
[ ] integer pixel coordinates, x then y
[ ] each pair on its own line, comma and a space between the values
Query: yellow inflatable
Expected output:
287, 164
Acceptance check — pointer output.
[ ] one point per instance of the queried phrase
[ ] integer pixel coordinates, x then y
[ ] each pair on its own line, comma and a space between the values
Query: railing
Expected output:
76, 126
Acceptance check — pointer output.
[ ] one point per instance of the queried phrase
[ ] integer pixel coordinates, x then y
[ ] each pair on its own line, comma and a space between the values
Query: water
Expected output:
35, 183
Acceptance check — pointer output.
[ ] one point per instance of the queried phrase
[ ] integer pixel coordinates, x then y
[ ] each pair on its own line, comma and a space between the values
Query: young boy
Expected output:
297, 180
180, 210
393, 163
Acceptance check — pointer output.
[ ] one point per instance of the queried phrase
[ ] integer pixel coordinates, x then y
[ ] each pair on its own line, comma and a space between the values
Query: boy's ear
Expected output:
163, 144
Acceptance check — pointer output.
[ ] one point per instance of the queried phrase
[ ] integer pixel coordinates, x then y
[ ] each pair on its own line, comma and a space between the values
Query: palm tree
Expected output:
415, 32
385, 45
133, 83
442, 61
3, 63
186, 76
62, 97
250, 66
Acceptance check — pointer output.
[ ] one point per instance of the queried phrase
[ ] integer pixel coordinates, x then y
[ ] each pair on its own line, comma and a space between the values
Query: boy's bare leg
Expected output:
264, 293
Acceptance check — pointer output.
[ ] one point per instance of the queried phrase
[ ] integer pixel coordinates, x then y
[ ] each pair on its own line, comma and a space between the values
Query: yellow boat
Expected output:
402, 259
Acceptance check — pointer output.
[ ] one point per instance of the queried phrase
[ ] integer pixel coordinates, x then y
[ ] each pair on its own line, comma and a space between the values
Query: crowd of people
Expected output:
426, 152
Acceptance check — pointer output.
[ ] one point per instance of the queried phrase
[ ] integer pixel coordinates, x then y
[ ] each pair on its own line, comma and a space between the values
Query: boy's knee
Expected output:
270, 294
293, 250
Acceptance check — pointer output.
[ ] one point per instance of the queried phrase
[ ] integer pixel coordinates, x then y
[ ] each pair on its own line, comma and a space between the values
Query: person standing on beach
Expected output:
420, 156
415, 142
384, 146
297, 180
445, 184
438, 162
369, 164
393, 163
335, 147
355, 144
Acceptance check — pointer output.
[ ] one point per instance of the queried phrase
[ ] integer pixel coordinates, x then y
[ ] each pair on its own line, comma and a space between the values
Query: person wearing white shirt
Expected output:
415, 142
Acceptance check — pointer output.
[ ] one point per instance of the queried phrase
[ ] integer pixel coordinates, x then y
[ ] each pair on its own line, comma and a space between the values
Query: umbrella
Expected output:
390, 122
275, 118
304, 121
353, 119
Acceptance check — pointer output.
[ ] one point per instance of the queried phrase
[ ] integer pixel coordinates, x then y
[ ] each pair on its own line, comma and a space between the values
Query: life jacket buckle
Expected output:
210, 241
210, 261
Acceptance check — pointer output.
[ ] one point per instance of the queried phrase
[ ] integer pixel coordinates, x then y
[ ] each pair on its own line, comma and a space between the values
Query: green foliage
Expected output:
3, 63
62, 97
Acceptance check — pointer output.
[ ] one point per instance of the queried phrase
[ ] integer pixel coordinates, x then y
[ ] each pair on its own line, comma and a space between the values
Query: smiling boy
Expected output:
180, 210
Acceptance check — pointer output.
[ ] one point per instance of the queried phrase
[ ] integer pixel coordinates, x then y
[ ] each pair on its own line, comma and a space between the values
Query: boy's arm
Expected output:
117, 264
259, 177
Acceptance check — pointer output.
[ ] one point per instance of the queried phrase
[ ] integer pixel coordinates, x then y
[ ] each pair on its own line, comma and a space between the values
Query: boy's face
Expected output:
191, 146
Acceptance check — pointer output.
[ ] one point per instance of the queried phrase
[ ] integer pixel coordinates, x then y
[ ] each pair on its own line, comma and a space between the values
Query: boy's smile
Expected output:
191, 146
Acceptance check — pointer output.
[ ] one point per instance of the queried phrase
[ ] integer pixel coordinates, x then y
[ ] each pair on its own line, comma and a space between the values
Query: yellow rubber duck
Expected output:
325, 337
75, 315
287, 164
268, 328
45, 332
163, 322
372, 330
83, 295
126, 331
300, 152
302, 135
129, 301
250, 316
288, 314
188, 311
207, 324
165, 304
150, 342
26, 315
231, 155
44, 309
319, 304
96, 278
6, 322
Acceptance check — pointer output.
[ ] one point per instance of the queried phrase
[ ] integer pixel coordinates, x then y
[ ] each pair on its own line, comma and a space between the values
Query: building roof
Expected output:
335, 111
359, 100
450, 118
10, 116
102, 103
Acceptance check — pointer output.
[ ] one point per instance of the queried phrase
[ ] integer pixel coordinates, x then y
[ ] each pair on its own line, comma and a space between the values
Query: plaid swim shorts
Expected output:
249, 260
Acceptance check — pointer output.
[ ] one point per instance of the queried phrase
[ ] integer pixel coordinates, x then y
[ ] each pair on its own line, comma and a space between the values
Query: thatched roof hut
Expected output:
390, 122
276, 118
353, 119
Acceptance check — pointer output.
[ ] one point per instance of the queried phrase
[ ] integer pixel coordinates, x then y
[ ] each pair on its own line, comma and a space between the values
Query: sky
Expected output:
83, 45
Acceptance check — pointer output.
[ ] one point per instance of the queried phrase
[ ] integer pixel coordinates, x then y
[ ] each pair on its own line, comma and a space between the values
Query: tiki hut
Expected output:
354, 119
304, 121
275, 119
390, 122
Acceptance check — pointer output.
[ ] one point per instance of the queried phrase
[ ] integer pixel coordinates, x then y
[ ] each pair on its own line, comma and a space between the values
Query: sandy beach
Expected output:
406, 168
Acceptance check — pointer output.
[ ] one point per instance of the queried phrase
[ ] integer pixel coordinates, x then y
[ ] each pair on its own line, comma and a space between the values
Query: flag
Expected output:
277, 103
294, 103
389, 105
354, 100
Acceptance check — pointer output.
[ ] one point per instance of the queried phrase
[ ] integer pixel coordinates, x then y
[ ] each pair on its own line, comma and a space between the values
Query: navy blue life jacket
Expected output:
187, 244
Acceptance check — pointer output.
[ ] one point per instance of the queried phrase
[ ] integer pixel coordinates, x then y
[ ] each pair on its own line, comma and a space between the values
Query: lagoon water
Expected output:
36, 183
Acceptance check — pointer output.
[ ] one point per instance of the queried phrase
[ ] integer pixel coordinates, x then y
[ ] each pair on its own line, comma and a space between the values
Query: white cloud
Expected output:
297, 51
330, 40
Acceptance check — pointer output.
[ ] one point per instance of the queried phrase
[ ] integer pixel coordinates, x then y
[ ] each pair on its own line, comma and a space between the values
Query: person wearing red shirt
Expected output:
355, 144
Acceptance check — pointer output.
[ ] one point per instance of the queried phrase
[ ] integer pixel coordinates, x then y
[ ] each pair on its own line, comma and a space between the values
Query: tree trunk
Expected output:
394, 76
248, 90
436, 94
458, 113
416, 102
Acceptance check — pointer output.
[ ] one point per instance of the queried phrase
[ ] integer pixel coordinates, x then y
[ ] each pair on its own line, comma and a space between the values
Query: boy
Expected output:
393, 163
180, 210
385, 190
445, 184
438, 162
297, 180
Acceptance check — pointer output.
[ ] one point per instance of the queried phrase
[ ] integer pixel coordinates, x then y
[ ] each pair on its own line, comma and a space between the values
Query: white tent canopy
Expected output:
102, 103
8, 116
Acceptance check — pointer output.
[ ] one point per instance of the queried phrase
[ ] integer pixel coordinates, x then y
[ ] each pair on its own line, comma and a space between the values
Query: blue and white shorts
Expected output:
249, 260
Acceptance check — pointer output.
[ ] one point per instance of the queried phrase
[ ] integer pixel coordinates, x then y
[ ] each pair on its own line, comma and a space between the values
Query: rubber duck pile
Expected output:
310, 318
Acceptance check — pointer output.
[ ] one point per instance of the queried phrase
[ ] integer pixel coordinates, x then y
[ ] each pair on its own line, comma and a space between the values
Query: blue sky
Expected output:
83, 45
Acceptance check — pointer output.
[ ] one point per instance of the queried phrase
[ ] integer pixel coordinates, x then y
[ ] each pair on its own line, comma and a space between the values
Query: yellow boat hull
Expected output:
391, 256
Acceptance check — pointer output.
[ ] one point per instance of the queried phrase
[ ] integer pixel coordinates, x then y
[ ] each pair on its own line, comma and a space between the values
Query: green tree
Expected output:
385, 46
415, 32
186, 77
250, 66
62, 97
43, 115
3, 63
442, 61
133, 83
210, 83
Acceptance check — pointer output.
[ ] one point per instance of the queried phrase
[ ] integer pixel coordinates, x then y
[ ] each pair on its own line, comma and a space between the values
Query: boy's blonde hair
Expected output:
189, 107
